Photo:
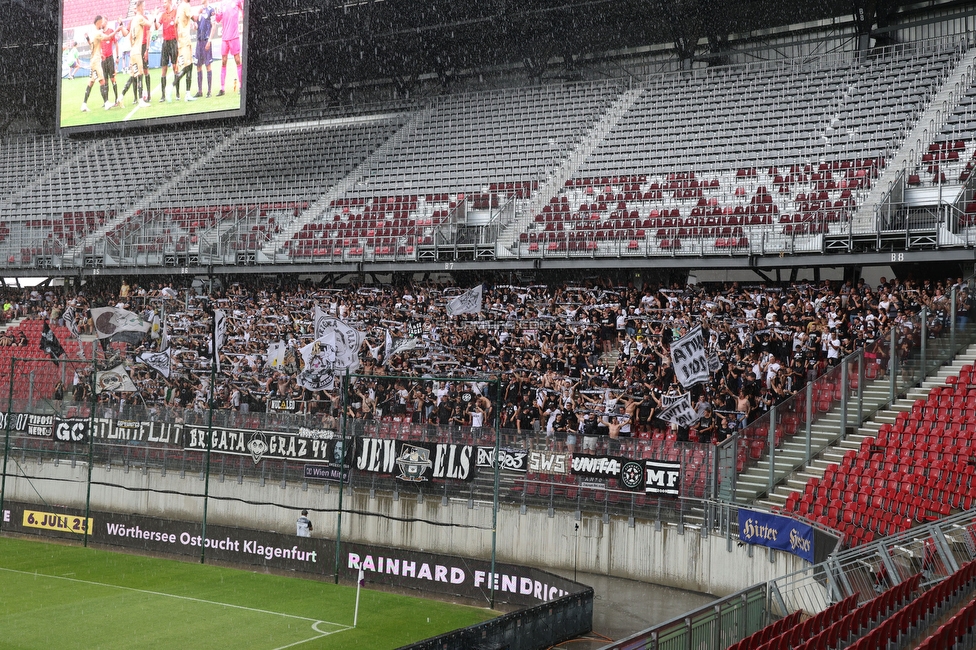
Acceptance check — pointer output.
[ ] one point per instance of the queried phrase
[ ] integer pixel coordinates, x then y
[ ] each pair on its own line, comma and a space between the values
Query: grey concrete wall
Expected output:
663, 555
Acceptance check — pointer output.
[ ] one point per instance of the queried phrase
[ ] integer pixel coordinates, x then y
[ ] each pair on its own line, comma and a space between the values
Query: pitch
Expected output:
75, 597
73, 95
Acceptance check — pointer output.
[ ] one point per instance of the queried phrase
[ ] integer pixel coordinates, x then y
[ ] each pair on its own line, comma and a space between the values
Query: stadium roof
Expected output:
332, 44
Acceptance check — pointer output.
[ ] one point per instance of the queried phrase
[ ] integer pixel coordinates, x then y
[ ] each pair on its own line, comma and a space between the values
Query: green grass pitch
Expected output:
73, 94
65, 597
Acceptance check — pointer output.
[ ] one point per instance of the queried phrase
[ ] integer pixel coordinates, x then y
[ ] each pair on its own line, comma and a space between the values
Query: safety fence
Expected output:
846, 395
934, 550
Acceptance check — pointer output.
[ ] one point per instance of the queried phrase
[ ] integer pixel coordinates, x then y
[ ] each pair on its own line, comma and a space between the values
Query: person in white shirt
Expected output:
833, 348
303, 527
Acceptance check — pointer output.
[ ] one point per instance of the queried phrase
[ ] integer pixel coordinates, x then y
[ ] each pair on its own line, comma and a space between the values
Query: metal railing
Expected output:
899, 361
936, 551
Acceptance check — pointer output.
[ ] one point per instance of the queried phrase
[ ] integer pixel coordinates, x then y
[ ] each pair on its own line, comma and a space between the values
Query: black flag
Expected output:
50, 344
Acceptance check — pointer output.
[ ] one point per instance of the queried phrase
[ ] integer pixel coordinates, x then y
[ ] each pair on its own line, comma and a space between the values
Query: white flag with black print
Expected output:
161, 362
220, 333
468, 302
680, 412
348, 340
320, 321
116, 323
116, 380
321, 363
689, 359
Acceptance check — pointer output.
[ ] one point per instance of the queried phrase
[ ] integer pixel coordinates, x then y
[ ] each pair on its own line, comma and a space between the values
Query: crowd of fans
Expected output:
575, 361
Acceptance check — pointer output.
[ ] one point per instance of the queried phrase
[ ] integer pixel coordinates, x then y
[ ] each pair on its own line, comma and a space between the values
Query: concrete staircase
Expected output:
824, 434
360, 174
554, 183
910, 149
828, 445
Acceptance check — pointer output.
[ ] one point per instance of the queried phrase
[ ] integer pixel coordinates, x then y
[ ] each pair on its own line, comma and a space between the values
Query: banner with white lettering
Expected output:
260, 445
628, 473
15, 422
415, 462
39, 426
512, 460
688, 358
71, 430
662, 477
546, 462
283, 405
776, 531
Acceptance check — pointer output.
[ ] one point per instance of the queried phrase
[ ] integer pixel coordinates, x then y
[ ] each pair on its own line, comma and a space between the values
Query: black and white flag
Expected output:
220, 327
714, 363
321, 363
161, 362
320, 321
116, 380
662, 477
680, 412
50, 344
689, 360
468, 302
69, 319
220, 333
119, 324
397, 346
348, 340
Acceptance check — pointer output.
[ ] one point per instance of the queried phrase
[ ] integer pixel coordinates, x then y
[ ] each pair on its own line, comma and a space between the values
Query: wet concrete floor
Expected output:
622, 607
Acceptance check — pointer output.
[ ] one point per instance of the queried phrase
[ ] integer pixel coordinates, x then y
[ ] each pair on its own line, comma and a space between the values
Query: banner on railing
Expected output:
778, 532
662, 477
415, 462
548, 463
628, 473
512, 460
70, 430
259, 445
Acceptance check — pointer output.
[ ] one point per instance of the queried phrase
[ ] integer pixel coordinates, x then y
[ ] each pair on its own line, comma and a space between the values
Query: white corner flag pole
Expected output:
359, 585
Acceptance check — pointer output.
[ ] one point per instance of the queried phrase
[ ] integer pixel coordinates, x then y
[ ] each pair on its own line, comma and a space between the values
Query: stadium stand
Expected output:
746, 159
714, 161
916, 469
252, 182
608, 367
670, 174
70, 205
903, 615
37, 377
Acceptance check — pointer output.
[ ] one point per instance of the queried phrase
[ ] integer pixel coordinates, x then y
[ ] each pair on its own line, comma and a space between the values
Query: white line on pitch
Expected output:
321, 635
159, 593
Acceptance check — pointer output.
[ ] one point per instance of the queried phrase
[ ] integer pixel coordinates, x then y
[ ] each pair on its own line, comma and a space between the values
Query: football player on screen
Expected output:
229, 17
205, 17
95, 40
185, 17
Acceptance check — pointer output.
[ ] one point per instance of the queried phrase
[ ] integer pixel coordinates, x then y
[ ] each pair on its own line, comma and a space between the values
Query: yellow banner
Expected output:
53, 521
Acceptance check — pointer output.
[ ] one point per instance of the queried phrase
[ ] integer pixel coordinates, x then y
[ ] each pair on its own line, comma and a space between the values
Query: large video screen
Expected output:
136, 62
